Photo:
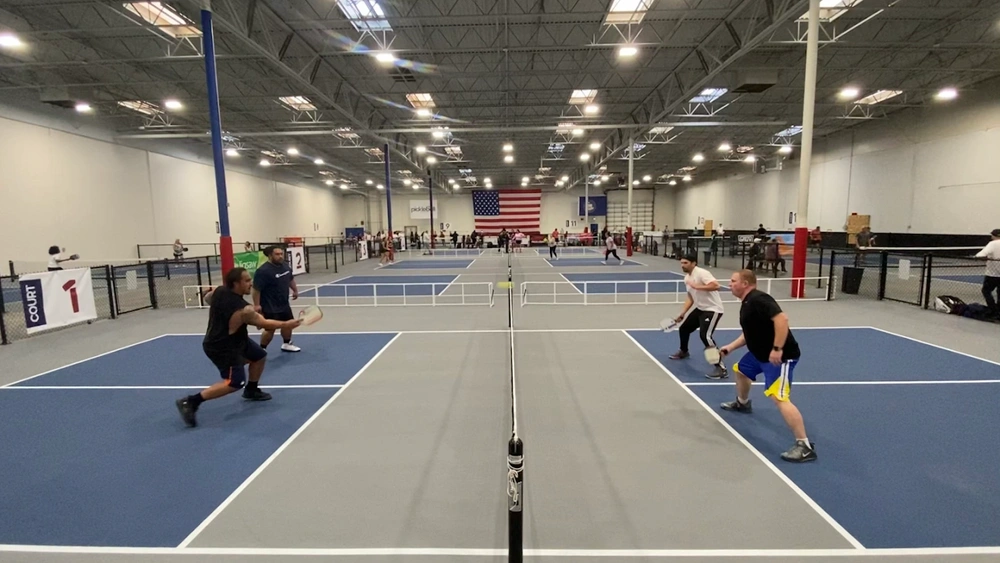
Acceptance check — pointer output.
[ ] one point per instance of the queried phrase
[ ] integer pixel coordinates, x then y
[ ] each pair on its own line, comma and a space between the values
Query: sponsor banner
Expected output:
59, 298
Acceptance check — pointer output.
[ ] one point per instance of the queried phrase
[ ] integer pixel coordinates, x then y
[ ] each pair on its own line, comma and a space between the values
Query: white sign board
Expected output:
297, 259
421, 209
55, 299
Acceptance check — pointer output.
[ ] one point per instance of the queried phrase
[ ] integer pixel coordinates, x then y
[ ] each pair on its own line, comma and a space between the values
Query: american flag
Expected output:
507, 209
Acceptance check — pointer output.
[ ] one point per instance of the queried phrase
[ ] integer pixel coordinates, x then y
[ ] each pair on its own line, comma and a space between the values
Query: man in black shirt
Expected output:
774, 352
271, 284
227, 344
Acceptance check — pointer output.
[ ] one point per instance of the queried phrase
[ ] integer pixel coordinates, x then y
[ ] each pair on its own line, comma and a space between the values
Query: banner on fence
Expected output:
296, 259
59, 298
250, 261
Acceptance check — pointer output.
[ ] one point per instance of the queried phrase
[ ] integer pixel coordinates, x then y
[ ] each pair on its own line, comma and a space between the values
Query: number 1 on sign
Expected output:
70, 286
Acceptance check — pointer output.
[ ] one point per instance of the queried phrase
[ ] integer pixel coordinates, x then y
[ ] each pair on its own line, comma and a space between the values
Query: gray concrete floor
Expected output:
412, 455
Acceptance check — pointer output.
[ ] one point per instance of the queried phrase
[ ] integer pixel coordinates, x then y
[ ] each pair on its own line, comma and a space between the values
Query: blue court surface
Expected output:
595, 261
427, 264
383, 286
629, 282
95, 453
907, 457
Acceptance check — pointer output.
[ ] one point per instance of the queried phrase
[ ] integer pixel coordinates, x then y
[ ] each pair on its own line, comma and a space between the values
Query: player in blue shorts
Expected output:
772, 351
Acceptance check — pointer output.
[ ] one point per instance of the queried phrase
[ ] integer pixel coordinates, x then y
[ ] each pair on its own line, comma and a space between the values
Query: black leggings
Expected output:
991, 284
552, 252
611, 253
702, 321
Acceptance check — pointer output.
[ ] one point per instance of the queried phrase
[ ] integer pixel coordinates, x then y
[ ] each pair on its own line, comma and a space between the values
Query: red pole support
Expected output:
628, 241
799, 262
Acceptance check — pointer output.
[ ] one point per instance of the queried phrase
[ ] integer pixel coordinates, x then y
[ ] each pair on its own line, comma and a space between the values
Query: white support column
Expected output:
805, 168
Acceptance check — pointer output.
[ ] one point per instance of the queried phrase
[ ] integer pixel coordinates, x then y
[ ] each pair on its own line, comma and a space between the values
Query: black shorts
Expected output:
281, 315
232, 368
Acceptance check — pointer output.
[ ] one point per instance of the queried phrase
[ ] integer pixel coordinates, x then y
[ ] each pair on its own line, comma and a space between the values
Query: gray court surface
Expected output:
409, 462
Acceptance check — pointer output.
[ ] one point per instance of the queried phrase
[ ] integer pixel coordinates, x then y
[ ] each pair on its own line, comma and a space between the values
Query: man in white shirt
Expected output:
703, 296
991, 280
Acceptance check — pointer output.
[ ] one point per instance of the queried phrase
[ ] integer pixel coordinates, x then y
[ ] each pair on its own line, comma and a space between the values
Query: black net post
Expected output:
928, 269
151, 279
515, 499
883, 273
819, 282
197, 269
830, 287
112, 305
515, 448
3, 313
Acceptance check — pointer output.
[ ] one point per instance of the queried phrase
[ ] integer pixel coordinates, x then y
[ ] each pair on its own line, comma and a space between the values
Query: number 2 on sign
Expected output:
70, 286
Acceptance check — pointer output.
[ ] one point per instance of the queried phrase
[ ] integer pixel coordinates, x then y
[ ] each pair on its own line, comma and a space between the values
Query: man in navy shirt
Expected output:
271, 285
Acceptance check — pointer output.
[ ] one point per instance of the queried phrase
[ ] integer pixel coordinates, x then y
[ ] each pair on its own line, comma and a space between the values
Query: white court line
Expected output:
129, 387
443, 291
791, 484
493, 552
218, 510
933, 345
471, 263
83, 360
504, 330
885, 382
571, 284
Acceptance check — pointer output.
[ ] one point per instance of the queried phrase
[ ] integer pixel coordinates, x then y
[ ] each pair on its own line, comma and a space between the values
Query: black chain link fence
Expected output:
12, 321
917, 278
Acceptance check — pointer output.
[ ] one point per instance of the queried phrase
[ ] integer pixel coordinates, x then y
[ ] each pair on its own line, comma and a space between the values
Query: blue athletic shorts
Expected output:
777, 379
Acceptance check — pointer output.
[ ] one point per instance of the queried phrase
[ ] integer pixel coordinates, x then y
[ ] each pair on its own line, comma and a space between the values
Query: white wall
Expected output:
99, 199
927, 170
557, 208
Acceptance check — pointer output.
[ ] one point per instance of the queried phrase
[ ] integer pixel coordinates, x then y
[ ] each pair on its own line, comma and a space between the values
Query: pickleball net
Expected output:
515, 446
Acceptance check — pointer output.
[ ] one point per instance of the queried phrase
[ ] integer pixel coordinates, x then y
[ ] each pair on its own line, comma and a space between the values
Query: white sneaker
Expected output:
290, 348
604, 262
621, 262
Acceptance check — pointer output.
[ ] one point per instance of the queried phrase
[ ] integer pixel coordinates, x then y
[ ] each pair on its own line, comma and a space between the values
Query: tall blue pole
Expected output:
388, 189
208, 44
430, 192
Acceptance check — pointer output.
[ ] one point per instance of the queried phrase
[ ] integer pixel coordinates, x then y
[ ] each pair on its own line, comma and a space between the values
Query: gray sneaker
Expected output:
718, 373
737, 406
800, 453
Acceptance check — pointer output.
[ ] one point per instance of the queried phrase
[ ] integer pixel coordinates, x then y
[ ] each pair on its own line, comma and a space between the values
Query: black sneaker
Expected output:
719, 373
256, 395
800, 453
187, 411
737, 406
680, 355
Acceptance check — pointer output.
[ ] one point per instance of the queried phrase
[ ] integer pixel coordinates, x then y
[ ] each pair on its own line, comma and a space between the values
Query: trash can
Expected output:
852, 280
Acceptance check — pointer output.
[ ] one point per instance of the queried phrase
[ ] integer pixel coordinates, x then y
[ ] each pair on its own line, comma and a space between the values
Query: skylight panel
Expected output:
580, 97
364, 15
660, 130
140, 106
627, 11
790, 132
880, 96
164, 17
709, 95
297, 103
830, 10
420, 100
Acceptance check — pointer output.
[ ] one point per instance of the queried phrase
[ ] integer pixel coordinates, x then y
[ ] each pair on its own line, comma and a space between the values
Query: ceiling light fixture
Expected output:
318, 162
507, 147
83, 107
508, 158
293, 151
724, 147
585, 157
947, 94
232, 152
595, 146
627, 51
698, 157
172, 104
385, 57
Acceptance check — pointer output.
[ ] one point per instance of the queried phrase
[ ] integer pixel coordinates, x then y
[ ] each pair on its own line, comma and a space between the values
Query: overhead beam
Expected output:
227, 16
689, 76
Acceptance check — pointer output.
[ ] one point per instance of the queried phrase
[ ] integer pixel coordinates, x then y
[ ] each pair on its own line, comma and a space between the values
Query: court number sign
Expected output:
55, 299
297, 260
